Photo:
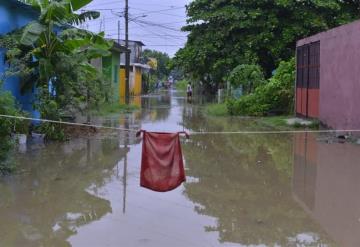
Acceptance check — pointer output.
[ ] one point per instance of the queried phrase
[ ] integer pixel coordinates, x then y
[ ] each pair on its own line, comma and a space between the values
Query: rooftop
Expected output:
119, 48
134, 41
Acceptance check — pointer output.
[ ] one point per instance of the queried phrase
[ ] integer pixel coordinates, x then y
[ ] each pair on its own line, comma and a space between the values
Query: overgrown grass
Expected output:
281, 123
107, 109
218, 110
278, 122
275, 122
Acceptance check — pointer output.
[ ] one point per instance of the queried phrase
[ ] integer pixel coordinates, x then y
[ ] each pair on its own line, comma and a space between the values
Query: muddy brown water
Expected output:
241, 190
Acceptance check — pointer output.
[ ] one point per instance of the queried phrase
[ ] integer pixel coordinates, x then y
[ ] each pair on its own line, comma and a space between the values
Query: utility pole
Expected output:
127, 54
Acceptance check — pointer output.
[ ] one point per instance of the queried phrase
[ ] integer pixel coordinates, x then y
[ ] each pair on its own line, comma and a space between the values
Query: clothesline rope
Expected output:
190, 132
274, 132
69, 123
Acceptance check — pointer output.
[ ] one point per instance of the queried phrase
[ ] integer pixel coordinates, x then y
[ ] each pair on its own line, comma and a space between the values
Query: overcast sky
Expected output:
156, 23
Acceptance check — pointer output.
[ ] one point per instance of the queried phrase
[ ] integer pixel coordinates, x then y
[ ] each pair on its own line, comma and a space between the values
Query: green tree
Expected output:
226, 33
274, 95
163, 60
248, 76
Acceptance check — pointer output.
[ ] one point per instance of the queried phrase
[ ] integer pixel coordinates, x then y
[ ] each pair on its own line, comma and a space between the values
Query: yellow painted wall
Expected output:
135, 87
138, 82
122, 85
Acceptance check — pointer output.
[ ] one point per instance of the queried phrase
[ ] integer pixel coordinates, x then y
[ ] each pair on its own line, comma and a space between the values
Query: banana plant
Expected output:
52, 38
56, 16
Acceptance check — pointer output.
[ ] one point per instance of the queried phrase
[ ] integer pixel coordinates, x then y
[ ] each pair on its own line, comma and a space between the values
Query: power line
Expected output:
175, 22
157, 25
158, 12
137, 14
165, 45
103, 9
148, 43
165, 34
146, 30
167, 31
149, 35
148, 4
157, 44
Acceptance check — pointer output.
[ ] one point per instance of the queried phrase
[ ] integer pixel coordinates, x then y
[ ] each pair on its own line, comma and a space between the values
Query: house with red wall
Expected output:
328, 77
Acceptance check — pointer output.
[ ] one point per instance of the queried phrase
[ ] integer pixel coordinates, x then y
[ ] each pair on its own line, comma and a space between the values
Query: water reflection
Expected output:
326, 184
58, 193
156, 107
241, 190
62, 187
244, 181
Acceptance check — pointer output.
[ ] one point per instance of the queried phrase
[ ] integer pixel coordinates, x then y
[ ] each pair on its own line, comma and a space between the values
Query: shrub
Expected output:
248, 105
50, 110
7, 107
277, 95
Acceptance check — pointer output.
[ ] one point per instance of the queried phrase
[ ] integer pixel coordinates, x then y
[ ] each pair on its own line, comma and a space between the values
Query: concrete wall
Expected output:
136, 52
339, 75
12, 17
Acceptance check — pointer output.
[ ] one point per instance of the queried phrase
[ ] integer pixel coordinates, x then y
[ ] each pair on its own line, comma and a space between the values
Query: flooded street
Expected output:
241, 190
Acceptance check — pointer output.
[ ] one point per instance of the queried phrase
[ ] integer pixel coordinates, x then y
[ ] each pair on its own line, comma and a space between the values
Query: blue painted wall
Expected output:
14, 15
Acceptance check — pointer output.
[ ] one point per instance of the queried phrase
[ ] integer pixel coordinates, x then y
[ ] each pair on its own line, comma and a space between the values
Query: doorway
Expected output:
308, 80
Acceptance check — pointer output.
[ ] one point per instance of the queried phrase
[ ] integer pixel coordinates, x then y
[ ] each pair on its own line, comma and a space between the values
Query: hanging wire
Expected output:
69, 123
190, 132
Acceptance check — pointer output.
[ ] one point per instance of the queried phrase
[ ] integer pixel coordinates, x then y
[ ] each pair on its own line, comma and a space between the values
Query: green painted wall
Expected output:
107, 69
111, 71
115, 74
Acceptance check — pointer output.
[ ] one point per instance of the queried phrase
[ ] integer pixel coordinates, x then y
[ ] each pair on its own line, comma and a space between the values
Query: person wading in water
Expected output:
189, 92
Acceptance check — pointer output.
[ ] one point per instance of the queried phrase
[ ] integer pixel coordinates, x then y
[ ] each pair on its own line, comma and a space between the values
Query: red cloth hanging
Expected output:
162, 167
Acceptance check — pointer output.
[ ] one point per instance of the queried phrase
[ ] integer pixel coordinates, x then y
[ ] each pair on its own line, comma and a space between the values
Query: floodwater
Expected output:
241, 190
